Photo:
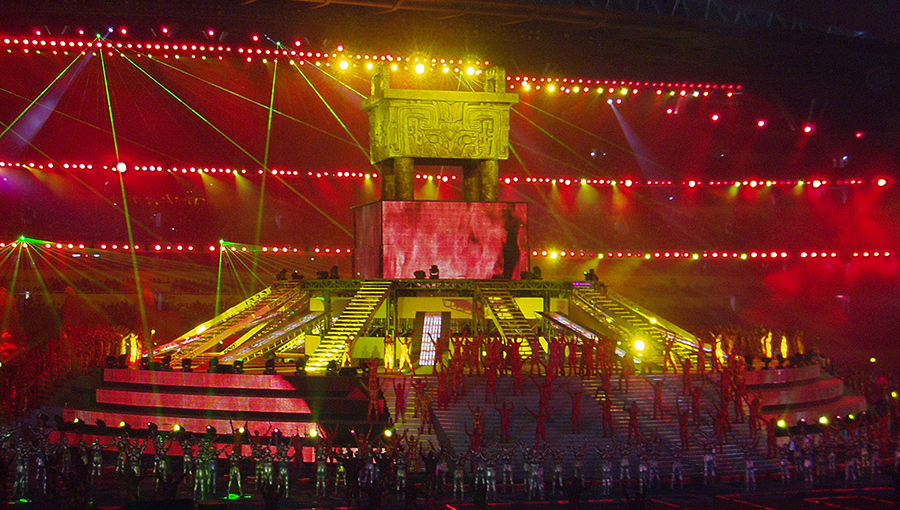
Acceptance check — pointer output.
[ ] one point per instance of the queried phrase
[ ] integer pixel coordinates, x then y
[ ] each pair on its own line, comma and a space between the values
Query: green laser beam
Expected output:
317, 208
262, 186
330, 109
339, 81
219, 284
262, 164
236, 275
134, 261
557, 140
90, 125
60, 75
112, 122
622, 148
7, 252
253, 276
10, 306
43, 254
257, 103
45, 292
28, 142
195, 112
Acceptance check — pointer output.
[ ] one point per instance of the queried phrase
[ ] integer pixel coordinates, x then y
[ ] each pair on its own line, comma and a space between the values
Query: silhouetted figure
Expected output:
333, 274
434, 273
168, 487
77, 485
411, 496
281, 275
5, 462
374, 493
575, 490
638, 502
510, 250
271, 495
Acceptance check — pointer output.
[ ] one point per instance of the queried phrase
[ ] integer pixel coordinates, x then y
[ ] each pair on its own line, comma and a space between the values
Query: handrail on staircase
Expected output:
681, 336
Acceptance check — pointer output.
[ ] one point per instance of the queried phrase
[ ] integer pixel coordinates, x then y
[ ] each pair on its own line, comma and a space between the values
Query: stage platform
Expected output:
193, 401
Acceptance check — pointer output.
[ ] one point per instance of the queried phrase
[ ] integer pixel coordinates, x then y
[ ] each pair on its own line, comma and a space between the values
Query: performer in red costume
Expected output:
504, 421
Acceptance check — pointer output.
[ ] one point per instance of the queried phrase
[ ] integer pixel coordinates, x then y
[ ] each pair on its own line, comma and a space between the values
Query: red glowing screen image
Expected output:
473, 240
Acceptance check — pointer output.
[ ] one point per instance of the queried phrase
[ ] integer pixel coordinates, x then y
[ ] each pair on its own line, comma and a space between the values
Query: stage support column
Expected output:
404, 176
390, 313
326, 309
489, 172
388, 180
471, 181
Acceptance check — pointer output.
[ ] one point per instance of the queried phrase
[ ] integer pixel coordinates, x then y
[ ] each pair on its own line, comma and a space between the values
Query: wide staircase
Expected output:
409, 424
505, 313
250, 313
351, 323
802, 393
629, 320
663, 431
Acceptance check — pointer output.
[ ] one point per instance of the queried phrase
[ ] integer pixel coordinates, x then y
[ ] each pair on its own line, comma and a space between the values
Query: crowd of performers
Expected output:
712, 400
41, 462
45, 464
76, 350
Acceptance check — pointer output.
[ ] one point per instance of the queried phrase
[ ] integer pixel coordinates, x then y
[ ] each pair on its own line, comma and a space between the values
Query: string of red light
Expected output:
193, 49
164, 248
614, 89
346, 59
621, 87
812, 181
711, 254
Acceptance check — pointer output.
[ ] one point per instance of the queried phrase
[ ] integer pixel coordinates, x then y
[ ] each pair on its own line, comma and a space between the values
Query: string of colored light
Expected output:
812, 181
235, 248
711, 254
622, 87
346, 59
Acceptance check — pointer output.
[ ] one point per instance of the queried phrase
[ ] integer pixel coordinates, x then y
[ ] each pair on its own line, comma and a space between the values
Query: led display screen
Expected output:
473, 240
